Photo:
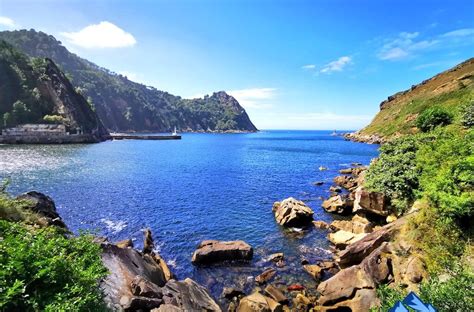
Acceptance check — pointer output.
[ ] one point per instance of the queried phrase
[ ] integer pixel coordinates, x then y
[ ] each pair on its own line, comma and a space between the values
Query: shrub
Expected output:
54, 119
452, 293
467, 115
433, 117
395, 173
447, 179
43, 270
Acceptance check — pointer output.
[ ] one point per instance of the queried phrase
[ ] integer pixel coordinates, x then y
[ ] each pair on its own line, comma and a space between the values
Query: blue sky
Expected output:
291, 64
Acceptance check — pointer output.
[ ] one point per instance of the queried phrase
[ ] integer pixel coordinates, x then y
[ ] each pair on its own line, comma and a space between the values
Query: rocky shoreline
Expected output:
363, 138
365, 254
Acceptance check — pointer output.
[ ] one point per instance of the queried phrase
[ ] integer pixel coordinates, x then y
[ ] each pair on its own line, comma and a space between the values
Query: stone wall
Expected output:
36, 130
48, 139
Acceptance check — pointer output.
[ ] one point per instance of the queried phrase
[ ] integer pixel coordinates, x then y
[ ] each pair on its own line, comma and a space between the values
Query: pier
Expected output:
121, 136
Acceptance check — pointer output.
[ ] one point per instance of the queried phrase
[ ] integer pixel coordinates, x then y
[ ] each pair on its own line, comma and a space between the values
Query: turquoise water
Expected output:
205, 186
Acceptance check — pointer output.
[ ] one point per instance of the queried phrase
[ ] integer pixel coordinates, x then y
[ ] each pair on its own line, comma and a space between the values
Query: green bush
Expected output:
467, 115
447, 179
450, 293
395, 173
433, 117
54, 119
44, 270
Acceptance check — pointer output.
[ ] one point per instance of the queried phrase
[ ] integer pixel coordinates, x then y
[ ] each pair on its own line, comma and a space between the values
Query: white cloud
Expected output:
464, 32
7, 22
102, 35
337, 65
256, 98
407, 45
403, 46
308, 67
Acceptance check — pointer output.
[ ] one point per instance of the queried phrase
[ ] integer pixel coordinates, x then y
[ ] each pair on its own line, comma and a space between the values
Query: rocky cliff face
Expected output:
124, 105
70, 104
32, 89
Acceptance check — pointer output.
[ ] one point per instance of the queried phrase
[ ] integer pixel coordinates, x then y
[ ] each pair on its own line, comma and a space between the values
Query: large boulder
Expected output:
257, 302
355, 287
338, 204
357, 225
43, 205
129, 270
211, 251
292, 212
134, 278
372, 202
343, 238
188, 295
356, 252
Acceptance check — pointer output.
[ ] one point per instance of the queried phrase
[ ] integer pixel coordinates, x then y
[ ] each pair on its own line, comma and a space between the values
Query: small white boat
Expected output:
174, 132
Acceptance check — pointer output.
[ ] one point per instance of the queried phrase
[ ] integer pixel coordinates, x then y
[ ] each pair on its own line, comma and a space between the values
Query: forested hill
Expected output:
124, 105
34, 90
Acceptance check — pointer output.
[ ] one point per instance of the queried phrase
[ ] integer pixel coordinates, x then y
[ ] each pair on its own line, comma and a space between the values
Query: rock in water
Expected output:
188, 296
265, 276
148, 243
291, 212
211, 251
42, 205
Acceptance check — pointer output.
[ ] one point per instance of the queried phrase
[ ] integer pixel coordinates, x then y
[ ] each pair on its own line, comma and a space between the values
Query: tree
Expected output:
8, 120
20, 112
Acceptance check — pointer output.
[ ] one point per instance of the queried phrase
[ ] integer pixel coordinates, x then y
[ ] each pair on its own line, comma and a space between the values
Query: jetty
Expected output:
127, 136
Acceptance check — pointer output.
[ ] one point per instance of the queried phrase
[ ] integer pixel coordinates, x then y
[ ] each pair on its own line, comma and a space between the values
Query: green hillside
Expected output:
124, 105
34, 90
449, 90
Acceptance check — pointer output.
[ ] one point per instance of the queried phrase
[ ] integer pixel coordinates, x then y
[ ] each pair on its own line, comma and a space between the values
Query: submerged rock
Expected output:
291, 212
43, 205
211, 251
265, 276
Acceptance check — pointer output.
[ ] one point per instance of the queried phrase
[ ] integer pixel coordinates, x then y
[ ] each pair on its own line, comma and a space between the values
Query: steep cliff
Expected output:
36, 91
125, 105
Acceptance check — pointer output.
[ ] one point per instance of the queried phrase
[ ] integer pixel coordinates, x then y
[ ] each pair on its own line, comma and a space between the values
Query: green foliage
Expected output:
388, 297
54, 119
432, 118
447, 179
134, 106
395, 173
467, 115
454, 292
20, 112
8, 120
44, 270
